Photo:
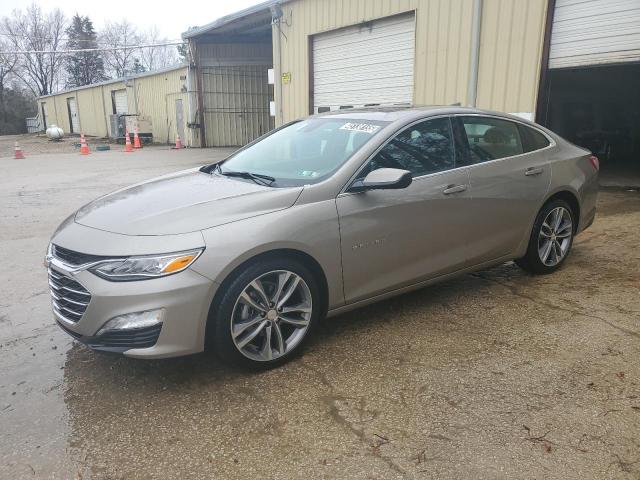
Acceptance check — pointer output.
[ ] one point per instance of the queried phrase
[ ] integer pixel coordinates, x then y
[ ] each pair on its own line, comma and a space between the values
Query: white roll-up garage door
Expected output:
593, 32
120, 101
371, 63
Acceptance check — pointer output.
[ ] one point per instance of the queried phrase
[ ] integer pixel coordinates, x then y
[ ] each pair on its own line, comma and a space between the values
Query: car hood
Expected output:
183, 202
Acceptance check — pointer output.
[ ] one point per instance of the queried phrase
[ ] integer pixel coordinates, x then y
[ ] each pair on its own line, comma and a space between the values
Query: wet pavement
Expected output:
496, 374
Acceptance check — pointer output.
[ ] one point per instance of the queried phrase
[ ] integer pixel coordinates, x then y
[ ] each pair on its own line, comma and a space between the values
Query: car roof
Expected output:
405, 112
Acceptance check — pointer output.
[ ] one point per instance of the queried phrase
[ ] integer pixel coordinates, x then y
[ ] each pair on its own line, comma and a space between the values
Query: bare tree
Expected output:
7, 66
121, 36
34, 30
154, 58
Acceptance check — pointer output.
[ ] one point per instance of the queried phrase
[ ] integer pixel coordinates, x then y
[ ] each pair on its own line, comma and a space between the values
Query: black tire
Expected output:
220, 316
532, 261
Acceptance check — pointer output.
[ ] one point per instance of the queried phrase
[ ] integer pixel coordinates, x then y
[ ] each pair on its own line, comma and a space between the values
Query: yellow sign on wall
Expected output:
286, 78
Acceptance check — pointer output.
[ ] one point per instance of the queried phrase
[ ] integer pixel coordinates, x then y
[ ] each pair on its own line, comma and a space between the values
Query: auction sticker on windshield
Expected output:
360, 127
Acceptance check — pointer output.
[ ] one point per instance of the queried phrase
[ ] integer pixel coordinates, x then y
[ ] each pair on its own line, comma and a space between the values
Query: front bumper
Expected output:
185, 298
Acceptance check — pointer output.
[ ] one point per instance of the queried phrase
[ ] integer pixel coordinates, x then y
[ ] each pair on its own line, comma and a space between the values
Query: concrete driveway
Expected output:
494, 375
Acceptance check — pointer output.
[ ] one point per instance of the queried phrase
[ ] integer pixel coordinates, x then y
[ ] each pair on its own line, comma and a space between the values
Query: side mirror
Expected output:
383, 179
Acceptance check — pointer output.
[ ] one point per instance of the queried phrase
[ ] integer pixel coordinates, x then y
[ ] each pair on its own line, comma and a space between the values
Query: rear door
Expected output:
509, 177
394, 238
72, 107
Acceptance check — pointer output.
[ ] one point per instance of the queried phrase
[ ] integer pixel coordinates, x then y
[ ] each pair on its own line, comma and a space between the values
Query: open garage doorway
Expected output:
599, 108
230, 62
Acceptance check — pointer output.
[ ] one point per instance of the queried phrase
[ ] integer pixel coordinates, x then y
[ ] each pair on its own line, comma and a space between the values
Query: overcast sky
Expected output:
171, 18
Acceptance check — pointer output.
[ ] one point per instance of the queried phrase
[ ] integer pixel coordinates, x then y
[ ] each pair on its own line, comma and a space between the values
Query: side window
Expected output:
532, 139
491, 138
423, 148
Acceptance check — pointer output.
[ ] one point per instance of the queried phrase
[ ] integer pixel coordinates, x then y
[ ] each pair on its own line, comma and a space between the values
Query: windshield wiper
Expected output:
256, 177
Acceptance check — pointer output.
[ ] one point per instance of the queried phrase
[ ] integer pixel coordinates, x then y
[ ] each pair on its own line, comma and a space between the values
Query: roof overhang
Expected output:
255, 21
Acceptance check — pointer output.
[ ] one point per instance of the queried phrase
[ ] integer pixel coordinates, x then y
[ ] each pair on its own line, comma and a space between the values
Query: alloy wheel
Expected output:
271, 315
554, 238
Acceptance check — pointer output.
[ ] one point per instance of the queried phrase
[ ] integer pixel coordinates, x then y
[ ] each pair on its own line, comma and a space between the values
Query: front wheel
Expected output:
551, 239
266, 313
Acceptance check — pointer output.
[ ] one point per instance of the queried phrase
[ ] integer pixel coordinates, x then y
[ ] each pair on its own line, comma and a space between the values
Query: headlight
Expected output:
145, 267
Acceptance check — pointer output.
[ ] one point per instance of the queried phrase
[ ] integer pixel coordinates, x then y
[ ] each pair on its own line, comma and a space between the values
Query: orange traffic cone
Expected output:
84, 148
127, 142
178, 143
17, 152
136, 138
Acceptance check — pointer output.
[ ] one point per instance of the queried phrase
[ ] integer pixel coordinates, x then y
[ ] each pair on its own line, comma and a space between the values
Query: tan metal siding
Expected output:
510, 53
154, 97
215, 54
511, 45
90, 112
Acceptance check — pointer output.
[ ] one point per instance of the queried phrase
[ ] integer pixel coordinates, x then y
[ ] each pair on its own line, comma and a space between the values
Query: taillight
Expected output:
595, 162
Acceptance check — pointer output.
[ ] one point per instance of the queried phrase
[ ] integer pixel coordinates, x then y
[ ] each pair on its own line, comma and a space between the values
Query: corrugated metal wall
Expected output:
511, 46
151, 96
236, 104
510, 54
155, 97
235, 91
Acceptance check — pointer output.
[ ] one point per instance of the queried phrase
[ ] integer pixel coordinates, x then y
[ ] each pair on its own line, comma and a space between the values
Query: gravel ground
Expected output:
38, 144
496, 374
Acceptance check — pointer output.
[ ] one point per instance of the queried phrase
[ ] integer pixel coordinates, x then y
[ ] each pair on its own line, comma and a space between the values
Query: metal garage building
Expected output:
157, 100
572, 65
330, 54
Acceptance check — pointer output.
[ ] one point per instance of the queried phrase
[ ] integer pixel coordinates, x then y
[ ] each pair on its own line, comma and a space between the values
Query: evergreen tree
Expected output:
138, 67
83, 68
182, 52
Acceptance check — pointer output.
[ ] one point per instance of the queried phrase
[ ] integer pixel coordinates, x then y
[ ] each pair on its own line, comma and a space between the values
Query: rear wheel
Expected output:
266, 313
551, 238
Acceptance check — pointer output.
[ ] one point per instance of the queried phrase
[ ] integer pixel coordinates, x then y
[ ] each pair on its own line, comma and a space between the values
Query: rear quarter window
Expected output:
532, 139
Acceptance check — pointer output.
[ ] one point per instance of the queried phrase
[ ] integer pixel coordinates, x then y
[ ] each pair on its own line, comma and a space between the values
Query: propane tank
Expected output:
54, 132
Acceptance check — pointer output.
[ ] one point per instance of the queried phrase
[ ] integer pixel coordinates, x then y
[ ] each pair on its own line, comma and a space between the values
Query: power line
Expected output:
100, 49
18, 35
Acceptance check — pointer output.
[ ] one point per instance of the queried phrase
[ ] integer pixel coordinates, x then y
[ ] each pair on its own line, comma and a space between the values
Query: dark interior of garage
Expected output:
599, 108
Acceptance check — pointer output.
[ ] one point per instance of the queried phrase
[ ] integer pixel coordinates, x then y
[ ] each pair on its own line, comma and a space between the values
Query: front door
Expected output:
394, 238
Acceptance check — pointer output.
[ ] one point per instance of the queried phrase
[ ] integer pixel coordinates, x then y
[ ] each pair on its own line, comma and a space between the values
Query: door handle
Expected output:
531, 171
454, 189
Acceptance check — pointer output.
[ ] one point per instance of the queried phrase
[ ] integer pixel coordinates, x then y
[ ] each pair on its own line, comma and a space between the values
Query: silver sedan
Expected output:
318, 217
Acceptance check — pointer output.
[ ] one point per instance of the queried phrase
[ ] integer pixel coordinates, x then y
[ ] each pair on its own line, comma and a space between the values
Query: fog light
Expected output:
135, 320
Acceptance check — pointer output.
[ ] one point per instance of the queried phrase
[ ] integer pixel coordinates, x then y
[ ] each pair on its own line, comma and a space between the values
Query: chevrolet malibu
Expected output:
321, 216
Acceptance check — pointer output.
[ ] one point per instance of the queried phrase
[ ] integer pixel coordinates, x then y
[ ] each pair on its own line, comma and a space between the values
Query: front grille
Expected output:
134, 338
71, 257
70, 299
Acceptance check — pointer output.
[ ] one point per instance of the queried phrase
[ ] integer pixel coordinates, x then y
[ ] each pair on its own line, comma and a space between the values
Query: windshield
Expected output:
304, 152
